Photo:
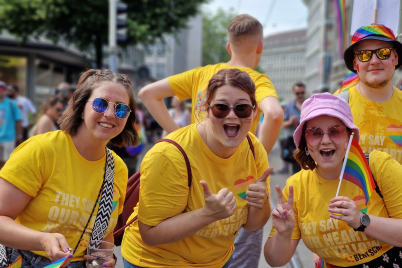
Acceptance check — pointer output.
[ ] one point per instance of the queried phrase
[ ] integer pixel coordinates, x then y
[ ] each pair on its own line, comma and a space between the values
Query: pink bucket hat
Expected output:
325, 104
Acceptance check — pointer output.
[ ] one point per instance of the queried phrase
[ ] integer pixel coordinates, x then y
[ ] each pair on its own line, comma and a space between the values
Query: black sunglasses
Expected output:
241, 110
121, 110
366, 55
300, 93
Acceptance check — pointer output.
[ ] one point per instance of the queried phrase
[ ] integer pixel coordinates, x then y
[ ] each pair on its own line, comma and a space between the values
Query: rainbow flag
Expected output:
340, 7
17, 263
357, 170
350, 81
323, 264
58, 263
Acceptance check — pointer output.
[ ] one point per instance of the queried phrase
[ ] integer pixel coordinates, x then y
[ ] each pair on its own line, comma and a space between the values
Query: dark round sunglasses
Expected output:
366, 55
121, 110
241, 110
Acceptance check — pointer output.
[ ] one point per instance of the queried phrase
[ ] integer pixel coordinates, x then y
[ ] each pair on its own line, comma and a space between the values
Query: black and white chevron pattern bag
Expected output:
106, 202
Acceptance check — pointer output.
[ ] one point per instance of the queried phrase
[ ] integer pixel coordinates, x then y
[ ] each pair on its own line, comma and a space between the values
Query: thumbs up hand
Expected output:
257, 193
219, 206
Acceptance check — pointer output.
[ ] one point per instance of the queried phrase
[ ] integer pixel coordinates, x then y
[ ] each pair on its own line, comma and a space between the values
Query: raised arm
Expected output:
217, 207
152, 96
272, 123
279, 249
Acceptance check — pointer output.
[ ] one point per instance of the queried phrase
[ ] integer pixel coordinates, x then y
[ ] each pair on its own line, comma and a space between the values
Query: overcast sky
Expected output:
275, 15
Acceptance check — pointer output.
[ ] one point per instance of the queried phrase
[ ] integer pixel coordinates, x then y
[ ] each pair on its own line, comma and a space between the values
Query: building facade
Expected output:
178, 53
283, 60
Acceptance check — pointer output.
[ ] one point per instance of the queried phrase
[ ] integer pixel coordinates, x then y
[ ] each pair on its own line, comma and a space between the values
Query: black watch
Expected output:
365, 221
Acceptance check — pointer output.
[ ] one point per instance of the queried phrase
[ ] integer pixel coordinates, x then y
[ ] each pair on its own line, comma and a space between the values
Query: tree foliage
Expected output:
85, 22
215, 37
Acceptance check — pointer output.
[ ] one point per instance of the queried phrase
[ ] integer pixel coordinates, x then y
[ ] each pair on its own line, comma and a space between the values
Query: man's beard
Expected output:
377, 85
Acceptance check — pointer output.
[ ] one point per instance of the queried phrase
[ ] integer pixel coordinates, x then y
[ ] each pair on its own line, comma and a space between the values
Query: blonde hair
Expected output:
242, 26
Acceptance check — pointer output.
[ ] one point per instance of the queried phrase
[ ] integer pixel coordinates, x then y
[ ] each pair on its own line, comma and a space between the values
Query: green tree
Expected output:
215, 38
85, 22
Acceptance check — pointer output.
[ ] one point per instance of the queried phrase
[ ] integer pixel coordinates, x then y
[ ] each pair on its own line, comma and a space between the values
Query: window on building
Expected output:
149, 50
160, 71
160, 49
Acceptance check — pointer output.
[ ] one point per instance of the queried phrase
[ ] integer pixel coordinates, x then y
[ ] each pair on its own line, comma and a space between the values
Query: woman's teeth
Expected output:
106, 125
327, 152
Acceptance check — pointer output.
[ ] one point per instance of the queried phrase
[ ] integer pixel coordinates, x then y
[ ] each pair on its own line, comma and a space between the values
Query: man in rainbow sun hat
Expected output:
373, 57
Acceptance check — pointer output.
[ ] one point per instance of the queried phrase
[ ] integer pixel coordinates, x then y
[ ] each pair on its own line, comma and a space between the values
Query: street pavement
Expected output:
302, 254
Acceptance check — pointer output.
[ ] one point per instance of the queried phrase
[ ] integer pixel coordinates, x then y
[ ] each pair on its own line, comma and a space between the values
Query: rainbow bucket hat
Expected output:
373, 32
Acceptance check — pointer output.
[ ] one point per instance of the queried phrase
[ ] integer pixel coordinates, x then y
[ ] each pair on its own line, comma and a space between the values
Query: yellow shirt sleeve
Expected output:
264, 88
164, 188
120, 180
261, 160
182, 84
26, 168
387, 173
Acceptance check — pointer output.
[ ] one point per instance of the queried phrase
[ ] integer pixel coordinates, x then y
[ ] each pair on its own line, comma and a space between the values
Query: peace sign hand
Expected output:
283, 216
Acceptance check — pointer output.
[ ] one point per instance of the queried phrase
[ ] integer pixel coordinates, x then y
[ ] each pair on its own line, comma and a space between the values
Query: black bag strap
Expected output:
251, 145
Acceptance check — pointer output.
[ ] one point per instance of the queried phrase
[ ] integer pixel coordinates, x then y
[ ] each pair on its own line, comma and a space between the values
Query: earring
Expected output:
305, 149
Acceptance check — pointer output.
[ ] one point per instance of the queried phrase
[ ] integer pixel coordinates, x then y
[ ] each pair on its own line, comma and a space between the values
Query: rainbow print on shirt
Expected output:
395, 134
241, 184
115, 202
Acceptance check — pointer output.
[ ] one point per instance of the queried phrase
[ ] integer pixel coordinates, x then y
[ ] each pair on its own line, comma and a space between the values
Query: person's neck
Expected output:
242, 61
330, 174
381, 94
217, 148
89, 148
299, 102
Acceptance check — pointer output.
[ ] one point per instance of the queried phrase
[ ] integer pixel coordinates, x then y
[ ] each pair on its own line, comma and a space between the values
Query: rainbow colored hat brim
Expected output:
371, 32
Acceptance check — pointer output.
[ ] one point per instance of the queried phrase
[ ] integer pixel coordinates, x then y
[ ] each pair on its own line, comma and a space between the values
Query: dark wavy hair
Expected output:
90, 80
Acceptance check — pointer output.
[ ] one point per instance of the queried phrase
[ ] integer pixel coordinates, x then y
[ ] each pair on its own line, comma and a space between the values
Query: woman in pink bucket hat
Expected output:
358, 228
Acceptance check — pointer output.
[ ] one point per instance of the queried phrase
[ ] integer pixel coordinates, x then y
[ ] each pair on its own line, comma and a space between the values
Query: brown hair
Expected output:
230, 77
49, 102
305, 161
90, 80
243, 25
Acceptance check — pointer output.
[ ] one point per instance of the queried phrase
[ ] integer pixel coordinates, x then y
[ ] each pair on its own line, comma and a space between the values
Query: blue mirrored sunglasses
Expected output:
121, 110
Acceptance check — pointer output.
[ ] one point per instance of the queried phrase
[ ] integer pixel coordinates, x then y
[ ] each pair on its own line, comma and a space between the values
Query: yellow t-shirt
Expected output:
164, 194
334, 241
64, 187
193, 84
380, 124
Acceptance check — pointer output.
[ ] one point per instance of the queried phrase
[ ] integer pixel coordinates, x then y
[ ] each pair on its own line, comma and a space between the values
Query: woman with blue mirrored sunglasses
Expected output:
53, 180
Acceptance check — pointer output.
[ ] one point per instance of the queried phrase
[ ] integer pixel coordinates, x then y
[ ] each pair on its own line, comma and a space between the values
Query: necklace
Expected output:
318, 180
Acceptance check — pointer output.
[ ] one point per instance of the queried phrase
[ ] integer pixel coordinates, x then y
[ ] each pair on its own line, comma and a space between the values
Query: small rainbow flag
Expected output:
323, 264
357, 170
58, 263
340, 7
395, 134
17, 263
350, 81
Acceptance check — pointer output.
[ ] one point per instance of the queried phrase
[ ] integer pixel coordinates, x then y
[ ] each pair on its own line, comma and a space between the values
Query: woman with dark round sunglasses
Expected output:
357, 228
229, 191
52, 181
